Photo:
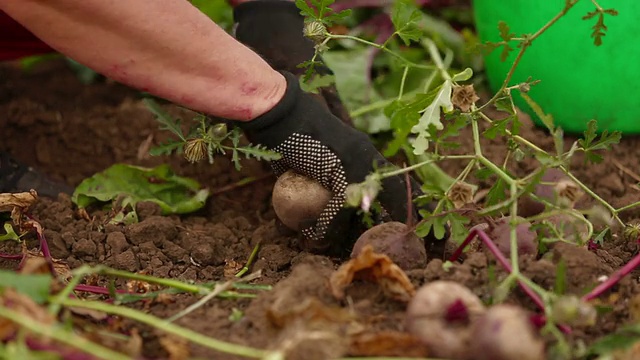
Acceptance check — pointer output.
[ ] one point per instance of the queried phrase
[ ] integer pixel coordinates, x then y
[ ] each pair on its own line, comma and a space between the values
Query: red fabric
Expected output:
17, 42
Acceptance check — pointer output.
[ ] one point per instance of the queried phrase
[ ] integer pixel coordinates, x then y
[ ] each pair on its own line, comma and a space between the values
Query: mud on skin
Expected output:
71, 131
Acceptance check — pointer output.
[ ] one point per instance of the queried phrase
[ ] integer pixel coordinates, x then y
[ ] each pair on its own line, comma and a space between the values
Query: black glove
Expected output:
274, 29
317, 144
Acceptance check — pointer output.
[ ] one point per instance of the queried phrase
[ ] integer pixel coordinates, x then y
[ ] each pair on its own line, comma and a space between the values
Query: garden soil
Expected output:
50, 120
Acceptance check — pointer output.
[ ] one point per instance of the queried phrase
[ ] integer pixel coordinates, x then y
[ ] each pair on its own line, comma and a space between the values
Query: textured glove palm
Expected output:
313, 142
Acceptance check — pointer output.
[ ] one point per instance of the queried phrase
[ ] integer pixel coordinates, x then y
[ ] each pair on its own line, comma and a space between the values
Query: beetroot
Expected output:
500, 232
505, 332
527, 206
440, 314
396, 240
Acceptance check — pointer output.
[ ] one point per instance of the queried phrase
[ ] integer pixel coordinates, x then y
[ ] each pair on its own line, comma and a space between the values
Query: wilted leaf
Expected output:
387, 344
133, 184
177, 347
373, 267
22, 201
310, 310
353, 85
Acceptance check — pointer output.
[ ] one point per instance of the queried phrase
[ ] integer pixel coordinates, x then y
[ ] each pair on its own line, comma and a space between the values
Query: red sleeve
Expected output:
17, 42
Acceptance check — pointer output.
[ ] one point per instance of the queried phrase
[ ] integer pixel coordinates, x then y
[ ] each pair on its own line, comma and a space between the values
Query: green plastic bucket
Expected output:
578, 80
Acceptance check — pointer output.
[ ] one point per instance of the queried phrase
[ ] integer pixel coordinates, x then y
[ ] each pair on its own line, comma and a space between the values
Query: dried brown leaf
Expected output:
21, 201
373, 267
93, 314
23, 304
231, 267
176, 347
387, 344
35, 263
311, 310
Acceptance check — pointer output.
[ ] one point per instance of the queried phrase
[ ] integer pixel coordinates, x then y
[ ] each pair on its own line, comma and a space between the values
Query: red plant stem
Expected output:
613, 279
486, 240
11, 256
44, 246
97, 289
65, 353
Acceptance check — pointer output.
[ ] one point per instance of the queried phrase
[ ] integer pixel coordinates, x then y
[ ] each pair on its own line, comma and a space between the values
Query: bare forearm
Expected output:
167, 48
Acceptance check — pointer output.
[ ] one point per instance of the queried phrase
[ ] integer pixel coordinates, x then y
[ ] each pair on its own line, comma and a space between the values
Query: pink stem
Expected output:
11, 256
486, 240
613, 279
97, 289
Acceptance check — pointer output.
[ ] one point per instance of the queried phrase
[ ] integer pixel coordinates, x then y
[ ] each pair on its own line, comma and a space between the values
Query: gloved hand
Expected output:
315, 143
274, 29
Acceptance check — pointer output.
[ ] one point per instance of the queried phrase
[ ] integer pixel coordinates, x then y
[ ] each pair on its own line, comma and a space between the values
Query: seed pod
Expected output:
218, 131
316, 31
195, 150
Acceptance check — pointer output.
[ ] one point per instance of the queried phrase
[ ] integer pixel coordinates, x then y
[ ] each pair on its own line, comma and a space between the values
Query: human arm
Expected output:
167, 48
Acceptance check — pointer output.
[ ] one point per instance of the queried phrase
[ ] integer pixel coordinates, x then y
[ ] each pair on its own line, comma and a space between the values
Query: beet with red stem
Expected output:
614, 278
527, 206
500, 232
440, 315
502, 260
505, 332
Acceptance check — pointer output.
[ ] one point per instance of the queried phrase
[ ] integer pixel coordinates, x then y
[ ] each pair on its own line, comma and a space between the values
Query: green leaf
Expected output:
620, 340
590, 144
506, 37
599, 29
10, 234
305, 9
166, 148
404, 16
546, 119
560, 285
503, 27
317, 82
220, 11
165, 120
499, 127
497, 193
463, 75
35, 286
320, 11
431, 117
133, 184
352, 82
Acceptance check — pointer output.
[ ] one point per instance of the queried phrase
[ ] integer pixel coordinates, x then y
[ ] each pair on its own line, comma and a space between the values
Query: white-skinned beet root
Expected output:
440, 315
500, 233
505, 332
396, 240
298, 199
